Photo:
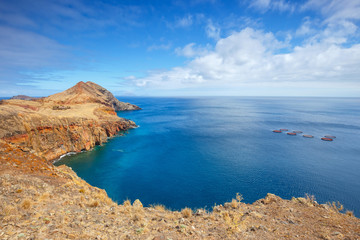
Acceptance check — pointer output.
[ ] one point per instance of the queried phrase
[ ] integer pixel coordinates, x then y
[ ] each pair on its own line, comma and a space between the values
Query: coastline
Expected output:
41, 200
67, 154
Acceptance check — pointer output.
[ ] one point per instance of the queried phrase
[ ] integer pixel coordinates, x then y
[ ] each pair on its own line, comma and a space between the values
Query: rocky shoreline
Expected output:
41, 201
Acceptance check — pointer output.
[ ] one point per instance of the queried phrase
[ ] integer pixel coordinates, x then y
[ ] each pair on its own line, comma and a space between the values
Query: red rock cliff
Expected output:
51, 127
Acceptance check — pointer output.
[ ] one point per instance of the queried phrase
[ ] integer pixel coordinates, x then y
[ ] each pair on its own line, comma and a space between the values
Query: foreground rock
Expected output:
71, 121
41, 201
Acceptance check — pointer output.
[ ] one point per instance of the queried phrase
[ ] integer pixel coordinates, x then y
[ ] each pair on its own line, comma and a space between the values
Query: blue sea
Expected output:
197, 152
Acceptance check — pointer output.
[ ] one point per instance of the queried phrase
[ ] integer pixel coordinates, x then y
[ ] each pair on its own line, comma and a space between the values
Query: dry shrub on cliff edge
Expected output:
349, 213
310, 198
186, 212
160, 207
236, 202
103, 197
127, 203
335, 206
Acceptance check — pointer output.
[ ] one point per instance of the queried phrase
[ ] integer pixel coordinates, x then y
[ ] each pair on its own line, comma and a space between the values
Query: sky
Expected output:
181, 48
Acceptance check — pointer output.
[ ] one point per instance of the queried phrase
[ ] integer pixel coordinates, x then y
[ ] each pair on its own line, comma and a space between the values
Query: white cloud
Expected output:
275, 5
334, 10
306, 28
191, 50
260, 4
185, 21
250, 58
212, 31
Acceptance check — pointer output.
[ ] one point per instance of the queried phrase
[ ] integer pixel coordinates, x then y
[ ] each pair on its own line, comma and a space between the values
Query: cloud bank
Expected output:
325, 58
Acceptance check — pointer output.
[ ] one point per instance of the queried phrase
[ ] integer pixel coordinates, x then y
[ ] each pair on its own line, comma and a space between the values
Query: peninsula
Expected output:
74, 120
41, 201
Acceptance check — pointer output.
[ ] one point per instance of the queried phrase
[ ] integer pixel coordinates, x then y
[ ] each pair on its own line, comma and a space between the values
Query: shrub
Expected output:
335, 206
349, 213
186, 212
26, 204
160, 208
127, 203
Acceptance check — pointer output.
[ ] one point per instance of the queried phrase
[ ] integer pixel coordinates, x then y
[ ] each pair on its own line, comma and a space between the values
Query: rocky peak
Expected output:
89, 92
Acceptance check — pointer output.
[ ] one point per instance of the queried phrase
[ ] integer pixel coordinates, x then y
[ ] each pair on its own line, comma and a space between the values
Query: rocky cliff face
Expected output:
74, 120
114, 102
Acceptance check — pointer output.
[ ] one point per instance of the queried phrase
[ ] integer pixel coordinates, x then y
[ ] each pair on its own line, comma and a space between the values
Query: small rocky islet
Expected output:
41, 201
295, 132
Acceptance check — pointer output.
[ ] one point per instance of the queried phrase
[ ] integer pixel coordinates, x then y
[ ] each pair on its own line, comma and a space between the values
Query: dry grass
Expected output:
235, 203
44, 196
160, 208
186, 212
103, 197
26, 204
127, 203
9, 210
225, 215
335, 206
310, 198
137, 217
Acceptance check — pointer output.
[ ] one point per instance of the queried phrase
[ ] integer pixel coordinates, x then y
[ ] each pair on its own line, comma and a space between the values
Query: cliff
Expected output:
74, 120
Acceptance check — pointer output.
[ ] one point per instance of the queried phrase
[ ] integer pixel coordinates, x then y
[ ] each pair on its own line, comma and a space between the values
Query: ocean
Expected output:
198, 152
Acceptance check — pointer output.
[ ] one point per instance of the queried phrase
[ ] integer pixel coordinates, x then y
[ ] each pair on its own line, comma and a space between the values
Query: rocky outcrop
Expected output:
114, 102
74, 120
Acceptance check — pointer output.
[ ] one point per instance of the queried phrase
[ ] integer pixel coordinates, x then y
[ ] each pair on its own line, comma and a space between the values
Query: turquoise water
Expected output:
196, 152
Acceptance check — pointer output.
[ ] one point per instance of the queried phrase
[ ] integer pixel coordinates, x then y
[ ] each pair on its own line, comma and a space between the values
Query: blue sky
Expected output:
182, 48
